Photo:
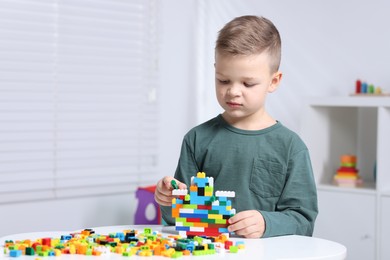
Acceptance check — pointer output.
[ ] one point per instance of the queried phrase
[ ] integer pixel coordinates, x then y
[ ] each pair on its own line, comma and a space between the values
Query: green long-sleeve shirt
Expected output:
269, 170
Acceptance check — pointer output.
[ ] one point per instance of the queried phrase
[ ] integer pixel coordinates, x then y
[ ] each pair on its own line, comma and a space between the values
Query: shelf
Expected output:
351, 101
385, 193
359, 125
366, 188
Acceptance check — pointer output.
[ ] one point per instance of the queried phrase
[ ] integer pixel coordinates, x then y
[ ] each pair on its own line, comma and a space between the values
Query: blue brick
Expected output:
178, 228
223, 230
15, 253
191, 215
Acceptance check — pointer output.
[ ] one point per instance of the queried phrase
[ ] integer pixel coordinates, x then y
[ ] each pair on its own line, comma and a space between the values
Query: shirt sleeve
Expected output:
297, 207
186, 168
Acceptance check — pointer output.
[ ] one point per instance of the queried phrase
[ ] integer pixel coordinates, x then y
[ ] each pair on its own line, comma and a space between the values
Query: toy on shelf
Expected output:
347, 175
364, 89
200, 213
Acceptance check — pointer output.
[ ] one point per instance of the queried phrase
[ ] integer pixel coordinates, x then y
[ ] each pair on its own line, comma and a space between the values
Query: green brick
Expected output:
43, 253
147, 231
152, 238
188, 224
30, 251
59, 246
210, 221
198, 239
203, 252
233, 249
177, 254
181, 220
190, 206
220, 221
38, 249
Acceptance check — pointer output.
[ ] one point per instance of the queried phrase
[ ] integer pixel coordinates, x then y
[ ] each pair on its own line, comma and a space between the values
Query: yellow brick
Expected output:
72, 249
57, 252
201, 175
214, 216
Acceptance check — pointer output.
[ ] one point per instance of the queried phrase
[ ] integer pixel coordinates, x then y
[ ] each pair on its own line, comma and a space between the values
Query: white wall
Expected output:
326, 46
177, 79
67, 214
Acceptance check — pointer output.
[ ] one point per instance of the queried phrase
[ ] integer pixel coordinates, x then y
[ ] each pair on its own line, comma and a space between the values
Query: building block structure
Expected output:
200, 212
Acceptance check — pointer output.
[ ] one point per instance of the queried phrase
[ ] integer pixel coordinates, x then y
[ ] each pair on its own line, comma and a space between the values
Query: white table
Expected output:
283, 247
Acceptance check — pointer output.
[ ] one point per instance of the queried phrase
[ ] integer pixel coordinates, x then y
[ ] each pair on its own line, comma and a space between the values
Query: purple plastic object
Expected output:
146, 203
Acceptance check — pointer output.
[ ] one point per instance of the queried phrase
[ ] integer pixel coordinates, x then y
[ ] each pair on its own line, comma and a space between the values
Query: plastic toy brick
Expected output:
229, 194
174, 184
15, 253
233, 249
29, 251
177, 254
203, 252
228, 244
180, 192
201, 175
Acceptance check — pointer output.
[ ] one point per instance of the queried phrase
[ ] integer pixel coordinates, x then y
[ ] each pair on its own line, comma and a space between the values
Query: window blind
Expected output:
78, 103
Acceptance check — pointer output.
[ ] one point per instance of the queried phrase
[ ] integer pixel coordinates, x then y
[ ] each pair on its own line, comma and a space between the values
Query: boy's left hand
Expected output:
248, 223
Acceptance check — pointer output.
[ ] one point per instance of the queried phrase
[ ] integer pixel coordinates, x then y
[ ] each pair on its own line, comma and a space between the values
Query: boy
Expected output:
244, 149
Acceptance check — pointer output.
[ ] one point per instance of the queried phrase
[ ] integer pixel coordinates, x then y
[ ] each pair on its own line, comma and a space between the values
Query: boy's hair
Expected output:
247, 35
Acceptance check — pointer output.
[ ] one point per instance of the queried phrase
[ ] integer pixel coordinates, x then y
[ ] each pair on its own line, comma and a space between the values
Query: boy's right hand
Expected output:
163, 192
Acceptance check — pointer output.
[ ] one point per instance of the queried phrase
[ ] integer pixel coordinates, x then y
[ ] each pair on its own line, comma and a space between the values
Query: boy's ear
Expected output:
276, 78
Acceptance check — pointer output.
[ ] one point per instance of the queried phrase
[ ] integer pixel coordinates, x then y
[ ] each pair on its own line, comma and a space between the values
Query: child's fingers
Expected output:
181, 185
162, 199
172, 184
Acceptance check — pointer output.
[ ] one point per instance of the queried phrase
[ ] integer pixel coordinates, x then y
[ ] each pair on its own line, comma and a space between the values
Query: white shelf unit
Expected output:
331, 127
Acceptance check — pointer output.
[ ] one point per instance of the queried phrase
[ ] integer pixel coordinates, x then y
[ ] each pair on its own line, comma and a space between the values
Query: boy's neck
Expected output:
251, 123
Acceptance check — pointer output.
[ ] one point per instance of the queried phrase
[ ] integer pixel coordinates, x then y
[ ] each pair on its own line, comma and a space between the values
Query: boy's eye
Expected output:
224, 82
248, 85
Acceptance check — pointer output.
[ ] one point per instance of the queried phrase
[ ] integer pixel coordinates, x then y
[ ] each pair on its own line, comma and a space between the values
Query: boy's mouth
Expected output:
233, 104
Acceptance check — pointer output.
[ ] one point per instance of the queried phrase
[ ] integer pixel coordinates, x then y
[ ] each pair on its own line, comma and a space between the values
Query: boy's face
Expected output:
242, 83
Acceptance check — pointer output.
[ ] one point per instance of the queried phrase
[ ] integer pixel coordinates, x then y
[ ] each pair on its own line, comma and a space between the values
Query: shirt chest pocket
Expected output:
267, 178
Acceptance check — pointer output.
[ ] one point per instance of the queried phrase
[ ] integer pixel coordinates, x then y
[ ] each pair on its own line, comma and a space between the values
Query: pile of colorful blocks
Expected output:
126, 243
200, 213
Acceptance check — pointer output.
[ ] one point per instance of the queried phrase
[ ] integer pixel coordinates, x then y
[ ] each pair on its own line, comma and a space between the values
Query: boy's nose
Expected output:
234, 90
